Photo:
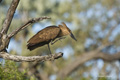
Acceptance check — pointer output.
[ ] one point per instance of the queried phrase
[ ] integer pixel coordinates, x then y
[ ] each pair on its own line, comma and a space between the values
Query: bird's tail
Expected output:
34, 46
31, 47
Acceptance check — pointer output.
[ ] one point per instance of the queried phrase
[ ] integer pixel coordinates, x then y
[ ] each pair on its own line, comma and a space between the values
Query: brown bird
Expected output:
49, 34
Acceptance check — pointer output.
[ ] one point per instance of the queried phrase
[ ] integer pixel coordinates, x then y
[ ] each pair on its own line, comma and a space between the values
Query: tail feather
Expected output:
31, 47
34, 46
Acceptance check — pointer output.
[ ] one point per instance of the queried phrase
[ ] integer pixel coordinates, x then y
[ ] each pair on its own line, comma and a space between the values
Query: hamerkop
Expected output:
49, 34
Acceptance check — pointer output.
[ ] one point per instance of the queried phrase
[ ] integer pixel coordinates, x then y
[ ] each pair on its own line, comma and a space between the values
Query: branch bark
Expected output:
16, 58
9, 16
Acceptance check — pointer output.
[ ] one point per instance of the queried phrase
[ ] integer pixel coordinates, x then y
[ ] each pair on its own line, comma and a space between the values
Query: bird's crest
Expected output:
64, 25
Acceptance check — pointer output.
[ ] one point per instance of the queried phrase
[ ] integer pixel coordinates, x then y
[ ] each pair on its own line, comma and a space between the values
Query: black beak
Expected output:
72, 36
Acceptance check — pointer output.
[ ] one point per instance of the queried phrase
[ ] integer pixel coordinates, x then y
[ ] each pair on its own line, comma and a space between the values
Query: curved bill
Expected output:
72, 36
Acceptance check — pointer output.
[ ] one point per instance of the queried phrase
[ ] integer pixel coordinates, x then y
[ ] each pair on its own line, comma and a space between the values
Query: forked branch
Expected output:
4, 38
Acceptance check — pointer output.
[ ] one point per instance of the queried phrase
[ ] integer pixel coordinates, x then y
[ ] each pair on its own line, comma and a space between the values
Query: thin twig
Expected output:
16, 58
26, 25
9, 16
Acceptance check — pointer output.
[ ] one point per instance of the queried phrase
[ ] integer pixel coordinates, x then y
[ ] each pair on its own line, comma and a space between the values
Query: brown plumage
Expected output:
47, 35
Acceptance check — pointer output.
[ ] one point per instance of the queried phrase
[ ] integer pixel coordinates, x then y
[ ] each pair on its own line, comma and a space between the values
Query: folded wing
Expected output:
43, 37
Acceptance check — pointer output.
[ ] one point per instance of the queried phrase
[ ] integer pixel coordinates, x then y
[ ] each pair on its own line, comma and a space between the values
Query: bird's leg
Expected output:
52, 58
57, 40
49, 49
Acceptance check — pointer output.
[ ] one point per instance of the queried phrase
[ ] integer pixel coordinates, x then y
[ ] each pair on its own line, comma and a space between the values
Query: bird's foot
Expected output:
57, 40
62, 37
51, 57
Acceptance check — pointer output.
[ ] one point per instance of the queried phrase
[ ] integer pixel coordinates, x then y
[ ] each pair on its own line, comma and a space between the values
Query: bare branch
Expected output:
68, 69
9, 16
108, 57
26, 25
16, 58
84, 58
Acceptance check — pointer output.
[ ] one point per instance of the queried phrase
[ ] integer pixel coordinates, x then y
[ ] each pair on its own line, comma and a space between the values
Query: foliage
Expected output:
9, 71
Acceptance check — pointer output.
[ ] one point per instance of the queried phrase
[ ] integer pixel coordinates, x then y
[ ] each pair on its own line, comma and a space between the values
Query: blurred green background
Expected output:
93, 22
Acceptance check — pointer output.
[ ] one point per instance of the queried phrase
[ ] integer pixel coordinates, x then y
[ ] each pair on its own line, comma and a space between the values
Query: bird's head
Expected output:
66, 31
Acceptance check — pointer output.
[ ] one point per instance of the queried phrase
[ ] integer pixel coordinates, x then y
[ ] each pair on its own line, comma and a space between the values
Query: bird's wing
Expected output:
45, 35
